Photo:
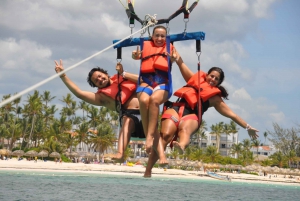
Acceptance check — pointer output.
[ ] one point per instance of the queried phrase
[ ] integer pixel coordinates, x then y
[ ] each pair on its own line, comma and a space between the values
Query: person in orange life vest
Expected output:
153, 89
182, 118
106, 96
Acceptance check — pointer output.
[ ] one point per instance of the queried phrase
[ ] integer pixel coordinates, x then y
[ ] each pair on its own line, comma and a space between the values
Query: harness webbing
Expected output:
183, 9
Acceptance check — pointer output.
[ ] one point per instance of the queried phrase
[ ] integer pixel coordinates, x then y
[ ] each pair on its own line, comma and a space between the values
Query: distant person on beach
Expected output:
180, 119
35, 159
116, 93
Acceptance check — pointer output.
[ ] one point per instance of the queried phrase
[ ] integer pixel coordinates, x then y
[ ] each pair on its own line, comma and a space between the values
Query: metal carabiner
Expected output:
185, 26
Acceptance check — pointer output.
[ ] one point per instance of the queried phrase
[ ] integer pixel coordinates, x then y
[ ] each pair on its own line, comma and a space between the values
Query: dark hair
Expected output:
158, 27
224, 93
92, 72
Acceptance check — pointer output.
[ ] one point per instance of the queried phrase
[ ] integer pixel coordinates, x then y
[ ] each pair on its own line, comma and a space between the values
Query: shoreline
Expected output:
137, 170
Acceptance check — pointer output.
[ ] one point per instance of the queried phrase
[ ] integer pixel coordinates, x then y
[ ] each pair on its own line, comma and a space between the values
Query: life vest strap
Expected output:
152, 55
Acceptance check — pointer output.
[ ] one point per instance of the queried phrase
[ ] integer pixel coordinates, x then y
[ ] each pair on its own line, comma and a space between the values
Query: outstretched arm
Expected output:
129, 76
87, 96
224, 110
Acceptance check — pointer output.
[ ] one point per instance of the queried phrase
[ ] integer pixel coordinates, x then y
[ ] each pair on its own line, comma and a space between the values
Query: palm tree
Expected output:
84, 107
212, 153
256, 144
49, 115
197, 154
217, 129
46, 97
291, 156
202, 136
103, 138
278, 158
246, 157
236, 149
94, 117
200, 132
82, 133
68, 100
17, 113
265, 135
246, 149
32, 110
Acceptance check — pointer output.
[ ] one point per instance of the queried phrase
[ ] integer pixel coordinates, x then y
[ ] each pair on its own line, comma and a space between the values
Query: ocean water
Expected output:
55, 186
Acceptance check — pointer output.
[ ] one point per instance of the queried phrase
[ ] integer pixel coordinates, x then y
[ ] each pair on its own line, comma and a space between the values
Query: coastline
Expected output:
137, 170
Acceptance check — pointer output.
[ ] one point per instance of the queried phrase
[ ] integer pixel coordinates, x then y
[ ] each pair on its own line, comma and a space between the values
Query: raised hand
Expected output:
58, 67
136, 54
119, 68
174, 56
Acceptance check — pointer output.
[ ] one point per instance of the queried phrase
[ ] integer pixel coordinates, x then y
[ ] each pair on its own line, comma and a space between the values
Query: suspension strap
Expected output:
198, 52
168, 41
141, 47
131, 14
118, 98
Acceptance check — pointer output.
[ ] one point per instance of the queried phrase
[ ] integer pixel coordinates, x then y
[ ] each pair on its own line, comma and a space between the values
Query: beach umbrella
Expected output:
18, 153
54, 155
5, 152
74, 154
31, 153
110, 155
43, 153
67, 153
89, 155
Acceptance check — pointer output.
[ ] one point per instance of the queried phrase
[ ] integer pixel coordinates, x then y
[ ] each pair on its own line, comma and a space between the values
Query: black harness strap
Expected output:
139, 131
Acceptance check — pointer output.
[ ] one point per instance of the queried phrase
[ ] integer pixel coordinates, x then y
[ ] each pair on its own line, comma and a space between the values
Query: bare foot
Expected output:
178, 147
147, 174
163, 160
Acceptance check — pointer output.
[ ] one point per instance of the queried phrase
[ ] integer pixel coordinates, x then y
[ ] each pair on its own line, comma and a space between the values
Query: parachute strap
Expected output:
183, 9
198, 52
131, 14
169, 84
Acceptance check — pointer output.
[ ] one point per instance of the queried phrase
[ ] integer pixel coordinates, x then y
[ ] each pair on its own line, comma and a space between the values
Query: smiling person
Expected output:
154, 85
107, 95
180, 119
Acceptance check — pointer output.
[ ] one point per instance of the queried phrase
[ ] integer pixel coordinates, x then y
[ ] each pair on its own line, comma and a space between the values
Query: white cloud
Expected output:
277, 117
23, 54
241, 94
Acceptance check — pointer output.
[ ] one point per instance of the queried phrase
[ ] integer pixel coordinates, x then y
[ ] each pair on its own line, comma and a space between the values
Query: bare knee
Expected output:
166, 137
144, 101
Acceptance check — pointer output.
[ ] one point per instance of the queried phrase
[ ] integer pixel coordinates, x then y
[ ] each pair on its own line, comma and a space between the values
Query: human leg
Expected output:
186, 128
168, 130
124, 136
156, 99
144, 98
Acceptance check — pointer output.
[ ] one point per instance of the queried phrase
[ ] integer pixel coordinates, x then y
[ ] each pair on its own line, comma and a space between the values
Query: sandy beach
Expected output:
137, 170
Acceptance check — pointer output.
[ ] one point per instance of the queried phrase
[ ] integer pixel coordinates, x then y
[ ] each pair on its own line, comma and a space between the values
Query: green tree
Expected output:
103, 138
217, 129
236, 149
212, 153
265, 135
255, 143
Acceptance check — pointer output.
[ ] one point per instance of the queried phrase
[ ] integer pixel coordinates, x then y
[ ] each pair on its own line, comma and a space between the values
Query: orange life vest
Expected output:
189, 92
127, 88
157, 61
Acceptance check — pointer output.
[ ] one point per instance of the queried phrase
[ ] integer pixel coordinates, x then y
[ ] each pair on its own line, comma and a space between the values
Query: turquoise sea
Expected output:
38, 186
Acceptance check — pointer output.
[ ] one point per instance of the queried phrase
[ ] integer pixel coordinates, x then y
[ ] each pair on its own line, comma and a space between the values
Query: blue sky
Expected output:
254, 41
